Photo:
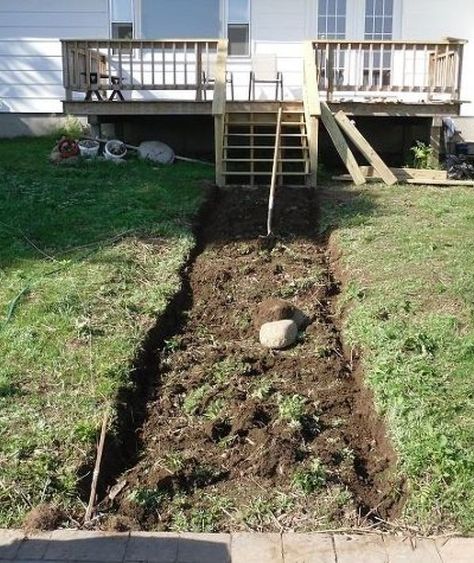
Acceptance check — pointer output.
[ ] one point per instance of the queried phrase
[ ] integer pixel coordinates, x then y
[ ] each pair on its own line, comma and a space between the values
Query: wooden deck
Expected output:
173, 107
104, 79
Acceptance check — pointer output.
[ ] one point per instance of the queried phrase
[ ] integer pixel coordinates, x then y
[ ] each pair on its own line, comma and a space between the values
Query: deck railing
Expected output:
128, 65
373, 68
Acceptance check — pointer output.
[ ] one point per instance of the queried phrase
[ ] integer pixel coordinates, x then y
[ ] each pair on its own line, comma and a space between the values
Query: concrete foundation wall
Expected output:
30, 125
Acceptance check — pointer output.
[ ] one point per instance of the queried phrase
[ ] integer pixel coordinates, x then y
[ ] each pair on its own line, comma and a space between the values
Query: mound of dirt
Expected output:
239, 437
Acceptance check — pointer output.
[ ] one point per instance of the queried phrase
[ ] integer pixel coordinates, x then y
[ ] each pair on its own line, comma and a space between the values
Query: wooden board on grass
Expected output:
365, 148
341, 145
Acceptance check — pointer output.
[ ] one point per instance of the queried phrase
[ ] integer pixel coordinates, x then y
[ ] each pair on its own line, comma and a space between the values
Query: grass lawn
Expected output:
89, 256
408, 254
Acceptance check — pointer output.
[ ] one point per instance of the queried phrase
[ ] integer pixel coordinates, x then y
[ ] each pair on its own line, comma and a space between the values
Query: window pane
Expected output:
331, 7
322, 7
341, 7
239, 11
122, 31
122, 11
341, 26
238, 36
379, 7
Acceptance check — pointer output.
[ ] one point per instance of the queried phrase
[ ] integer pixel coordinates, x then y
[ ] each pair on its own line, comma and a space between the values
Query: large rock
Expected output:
272, 310
156, 152
278, 335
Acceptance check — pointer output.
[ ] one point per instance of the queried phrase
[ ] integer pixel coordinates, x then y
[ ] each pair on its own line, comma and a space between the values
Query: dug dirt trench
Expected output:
236, 437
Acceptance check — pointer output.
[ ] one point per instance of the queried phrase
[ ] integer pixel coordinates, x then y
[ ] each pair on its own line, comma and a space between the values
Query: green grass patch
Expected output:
409, 306
89, 257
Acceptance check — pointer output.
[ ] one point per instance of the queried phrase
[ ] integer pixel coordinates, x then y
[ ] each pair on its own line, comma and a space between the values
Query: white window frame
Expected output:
135, 9
227, 22
327, 16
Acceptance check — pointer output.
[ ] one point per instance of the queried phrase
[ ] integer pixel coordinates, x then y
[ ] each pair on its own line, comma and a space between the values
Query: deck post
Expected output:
66, 71
312, 110
435, 137
219, 109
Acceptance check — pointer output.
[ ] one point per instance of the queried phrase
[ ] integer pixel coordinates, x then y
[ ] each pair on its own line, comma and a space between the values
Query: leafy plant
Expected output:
311, 479
215, 409
291, 408
72, 128
423, 155
262, 390
193, 399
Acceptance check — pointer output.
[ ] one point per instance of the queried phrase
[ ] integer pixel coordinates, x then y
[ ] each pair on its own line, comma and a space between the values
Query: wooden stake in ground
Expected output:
271, 200
96, 474
341, 145
365, 148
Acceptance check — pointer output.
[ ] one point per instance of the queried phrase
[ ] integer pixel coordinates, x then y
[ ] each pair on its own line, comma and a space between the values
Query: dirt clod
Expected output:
43, 518
272, 310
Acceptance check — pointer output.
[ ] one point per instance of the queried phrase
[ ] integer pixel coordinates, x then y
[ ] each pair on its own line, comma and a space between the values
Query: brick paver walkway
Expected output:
66, 546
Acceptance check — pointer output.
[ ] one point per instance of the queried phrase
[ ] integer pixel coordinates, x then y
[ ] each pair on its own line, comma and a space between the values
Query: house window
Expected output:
332, 19
332, 25
238, 27
121, 19
379, 19
378, 27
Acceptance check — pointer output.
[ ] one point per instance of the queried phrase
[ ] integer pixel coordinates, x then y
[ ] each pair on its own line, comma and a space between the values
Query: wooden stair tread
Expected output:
264, 160
259, 173
301, 135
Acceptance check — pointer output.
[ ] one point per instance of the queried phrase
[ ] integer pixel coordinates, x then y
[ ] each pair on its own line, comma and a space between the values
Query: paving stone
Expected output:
369, 549
308, 548
208, 548
154, 548
72, 545
456, 550
404, 550
10, 541
34, 546
257, 548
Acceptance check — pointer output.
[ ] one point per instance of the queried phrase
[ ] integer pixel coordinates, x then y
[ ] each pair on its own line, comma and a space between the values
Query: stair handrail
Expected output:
276, 158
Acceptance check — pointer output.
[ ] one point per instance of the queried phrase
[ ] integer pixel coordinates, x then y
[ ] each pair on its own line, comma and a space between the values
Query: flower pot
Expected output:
89, 148
115, 150
68, 148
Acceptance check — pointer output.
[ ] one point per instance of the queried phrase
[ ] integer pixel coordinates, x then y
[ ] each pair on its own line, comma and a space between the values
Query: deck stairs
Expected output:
249, 147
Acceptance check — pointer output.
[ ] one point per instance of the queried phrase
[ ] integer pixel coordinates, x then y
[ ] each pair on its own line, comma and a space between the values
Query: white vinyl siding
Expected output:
30, 50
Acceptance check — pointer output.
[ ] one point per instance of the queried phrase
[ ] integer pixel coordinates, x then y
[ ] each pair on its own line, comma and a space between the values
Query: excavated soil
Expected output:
239, 437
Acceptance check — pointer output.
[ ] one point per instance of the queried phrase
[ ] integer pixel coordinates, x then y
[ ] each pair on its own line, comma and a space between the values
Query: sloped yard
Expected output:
407, 258
89, 257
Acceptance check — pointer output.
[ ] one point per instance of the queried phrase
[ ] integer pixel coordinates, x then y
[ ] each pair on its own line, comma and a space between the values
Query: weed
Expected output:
309, 480
222, 372
174, 461
263, 511
193, 399
215, 409
291, 408
150, 499
423, 155
262, 390
201, 520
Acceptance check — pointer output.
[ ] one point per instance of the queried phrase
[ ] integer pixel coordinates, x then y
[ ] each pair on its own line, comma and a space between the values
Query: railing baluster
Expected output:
185, 63
152, 46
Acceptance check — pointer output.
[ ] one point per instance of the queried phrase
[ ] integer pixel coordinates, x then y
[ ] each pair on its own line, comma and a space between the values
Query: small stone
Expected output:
272, 310
279, 334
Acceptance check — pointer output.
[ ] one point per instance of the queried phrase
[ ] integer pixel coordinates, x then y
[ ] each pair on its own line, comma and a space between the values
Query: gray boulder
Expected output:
278, 335
156, 152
